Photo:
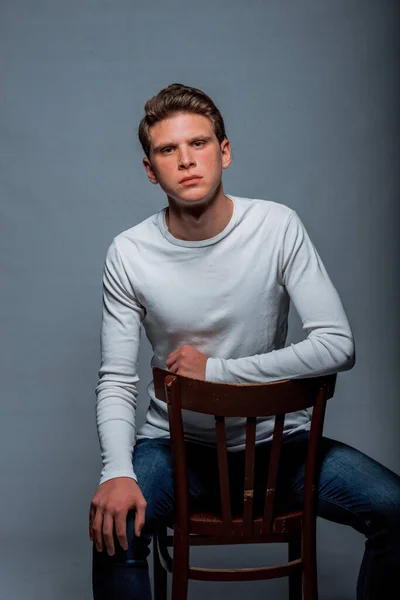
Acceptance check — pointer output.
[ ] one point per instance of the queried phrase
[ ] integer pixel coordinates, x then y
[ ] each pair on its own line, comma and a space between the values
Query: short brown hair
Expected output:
179, 98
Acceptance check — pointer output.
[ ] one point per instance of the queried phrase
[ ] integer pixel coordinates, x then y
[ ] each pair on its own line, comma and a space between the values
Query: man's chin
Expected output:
192, 197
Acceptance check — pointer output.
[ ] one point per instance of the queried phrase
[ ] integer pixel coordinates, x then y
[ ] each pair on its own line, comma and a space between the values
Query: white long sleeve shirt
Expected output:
229, 298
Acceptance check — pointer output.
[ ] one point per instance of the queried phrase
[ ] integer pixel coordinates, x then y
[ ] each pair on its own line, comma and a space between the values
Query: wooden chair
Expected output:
297, 528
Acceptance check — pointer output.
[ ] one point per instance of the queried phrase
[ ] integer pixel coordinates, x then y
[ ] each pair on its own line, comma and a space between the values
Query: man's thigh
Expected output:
152, 463
353, 488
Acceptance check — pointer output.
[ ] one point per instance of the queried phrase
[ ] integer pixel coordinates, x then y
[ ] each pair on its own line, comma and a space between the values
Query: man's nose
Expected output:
186, 159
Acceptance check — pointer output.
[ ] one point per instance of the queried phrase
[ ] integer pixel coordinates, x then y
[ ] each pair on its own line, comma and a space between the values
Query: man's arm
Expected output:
118, 491
329, 347
116, 390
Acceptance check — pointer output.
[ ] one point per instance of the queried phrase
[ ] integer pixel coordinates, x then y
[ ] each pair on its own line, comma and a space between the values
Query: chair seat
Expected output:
210, 523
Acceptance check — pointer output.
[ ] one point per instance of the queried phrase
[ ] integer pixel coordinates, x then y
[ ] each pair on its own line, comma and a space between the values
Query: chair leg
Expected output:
295, 581
180, 570
310, 581
160, 574
310, 585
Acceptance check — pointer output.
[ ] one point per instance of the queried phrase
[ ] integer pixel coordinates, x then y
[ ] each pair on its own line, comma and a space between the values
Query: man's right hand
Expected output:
110, 506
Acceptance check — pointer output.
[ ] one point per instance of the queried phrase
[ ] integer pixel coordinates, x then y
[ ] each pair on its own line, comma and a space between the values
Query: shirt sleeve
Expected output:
329, 346
118, 375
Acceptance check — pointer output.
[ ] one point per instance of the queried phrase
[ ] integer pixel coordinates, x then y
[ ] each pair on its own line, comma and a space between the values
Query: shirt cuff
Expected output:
112, 475
214, 370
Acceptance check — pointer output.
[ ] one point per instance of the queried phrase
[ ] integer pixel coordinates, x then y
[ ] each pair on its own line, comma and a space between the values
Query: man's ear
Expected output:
226, 153
151, 174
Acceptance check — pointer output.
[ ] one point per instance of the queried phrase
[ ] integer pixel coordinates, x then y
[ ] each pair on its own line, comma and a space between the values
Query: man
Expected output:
211, 277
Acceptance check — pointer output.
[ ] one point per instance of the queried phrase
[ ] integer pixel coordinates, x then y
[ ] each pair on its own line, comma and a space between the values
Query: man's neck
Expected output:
201, 224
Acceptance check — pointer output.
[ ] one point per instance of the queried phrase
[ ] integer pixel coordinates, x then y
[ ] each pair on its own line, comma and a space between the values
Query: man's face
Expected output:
182, 146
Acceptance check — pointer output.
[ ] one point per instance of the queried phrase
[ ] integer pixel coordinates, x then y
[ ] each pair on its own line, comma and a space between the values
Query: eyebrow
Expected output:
205, 138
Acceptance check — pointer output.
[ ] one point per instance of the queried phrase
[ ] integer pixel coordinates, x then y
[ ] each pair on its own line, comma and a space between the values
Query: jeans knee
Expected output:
138, 547
385, 515
136, 554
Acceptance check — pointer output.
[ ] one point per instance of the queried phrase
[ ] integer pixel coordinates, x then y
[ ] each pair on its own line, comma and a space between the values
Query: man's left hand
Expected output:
188, 361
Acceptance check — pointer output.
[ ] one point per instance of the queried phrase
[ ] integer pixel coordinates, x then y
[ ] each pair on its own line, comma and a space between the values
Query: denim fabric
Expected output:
354, 490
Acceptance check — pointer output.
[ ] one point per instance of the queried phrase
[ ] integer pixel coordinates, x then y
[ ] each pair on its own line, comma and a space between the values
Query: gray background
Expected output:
309, 91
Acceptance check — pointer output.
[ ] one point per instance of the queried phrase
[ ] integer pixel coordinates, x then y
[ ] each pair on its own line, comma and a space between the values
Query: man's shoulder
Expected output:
140, 233
274, 212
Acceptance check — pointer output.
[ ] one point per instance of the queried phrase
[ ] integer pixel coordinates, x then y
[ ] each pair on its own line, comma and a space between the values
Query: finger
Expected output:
108, 528
171, 358
170, 361
120, 530
92, 513
174, 368
97, 530
139, 519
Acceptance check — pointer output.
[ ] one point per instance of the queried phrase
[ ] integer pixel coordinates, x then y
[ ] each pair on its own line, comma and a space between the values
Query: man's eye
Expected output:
166, 150
198, 143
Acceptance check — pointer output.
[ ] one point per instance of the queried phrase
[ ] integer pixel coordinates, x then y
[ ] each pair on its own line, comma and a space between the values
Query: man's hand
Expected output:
188, 361
110, 506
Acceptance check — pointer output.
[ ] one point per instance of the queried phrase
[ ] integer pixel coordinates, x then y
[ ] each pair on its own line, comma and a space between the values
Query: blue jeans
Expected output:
354, 490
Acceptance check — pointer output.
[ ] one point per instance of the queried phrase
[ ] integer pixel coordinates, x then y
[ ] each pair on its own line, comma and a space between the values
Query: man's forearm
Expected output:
319, 354
115, 416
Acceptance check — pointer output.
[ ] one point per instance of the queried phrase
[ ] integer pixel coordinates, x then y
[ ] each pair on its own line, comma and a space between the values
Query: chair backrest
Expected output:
274, 399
